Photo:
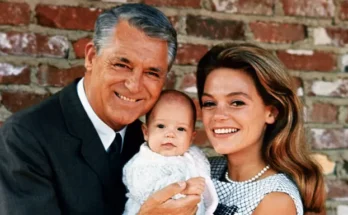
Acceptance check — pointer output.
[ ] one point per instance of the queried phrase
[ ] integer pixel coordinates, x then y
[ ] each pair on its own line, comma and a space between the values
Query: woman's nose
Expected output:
220, 114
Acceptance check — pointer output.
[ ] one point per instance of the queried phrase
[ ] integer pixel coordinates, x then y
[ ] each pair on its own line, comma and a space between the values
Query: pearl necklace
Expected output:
250, 180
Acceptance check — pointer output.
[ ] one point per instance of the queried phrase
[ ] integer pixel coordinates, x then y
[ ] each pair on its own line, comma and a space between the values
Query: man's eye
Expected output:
208, 104
121, 65
154, 74
160, 126
181, 129
237, 103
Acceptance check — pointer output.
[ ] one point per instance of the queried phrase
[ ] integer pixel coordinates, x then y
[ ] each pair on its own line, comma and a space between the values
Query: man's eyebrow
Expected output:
124, 60
155, 69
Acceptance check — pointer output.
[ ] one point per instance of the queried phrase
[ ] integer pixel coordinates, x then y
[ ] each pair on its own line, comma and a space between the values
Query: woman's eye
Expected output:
237, 103
160, 126
208, 104
181, 129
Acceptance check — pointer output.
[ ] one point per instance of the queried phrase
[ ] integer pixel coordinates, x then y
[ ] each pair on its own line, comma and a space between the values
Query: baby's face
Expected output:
170, 130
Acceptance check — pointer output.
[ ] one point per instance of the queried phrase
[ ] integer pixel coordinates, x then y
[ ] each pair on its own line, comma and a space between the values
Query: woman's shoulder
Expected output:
277, 203
282, 182
282, 186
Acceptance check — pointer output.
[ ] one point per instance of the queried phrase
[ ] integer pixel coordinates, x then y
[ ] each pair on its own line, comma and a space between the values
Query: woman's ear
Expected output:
271, 114
90, 53
145, 131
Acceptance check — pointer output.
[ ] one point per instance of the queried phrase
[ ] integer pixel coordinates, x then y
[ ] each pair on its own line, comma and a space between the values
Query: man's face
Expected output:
125, 79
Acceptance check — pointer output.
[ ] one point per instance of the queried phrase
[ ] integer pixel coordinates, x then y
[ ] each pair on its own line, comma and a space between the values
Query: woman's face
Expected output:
233, 113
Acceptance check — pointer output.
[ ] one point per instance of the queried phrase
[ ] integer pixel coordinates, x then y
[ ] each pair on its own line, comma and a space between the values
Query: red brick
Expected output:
188, 81
79, 47
14, 13
344, 10
318, 61
174, 20
15, 101
338, 36
10, 74
324, 113
174, 3
190, 54
52, 76
277, 32
262, 7
329, 138
170, 81
15, 43
78, 18
201, 138
1, 123
298, 85
214, 28
337, 189
198, 109
337, 88
313, 8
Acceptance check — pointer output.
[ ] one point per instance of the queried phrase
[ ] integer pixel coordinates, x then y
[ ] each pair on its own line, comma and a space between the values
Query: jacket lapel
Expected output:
80, 126
132, 141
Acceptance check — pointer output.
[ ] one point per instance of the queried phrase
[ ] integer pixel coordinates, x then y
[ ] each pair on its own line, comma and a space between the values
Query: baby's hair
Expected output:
174, 95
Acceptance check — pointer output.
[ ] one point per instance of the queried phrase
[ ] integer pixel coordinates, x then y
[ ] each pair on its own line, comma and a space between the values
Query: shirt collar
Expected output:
106, 134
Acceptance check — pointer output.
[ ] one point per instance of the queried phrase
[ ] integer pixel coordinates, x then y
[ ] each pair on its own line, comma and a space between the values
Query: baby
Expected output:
168, 157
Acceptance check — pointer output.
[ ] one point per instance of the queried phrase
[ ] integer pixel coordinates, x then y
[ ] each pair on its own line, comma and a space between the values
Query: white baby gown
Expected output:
148, 172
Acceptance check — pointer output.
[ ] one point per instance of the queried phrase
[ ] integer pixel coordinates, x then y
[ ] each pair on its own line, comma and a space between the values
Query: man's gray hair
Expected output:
143, 17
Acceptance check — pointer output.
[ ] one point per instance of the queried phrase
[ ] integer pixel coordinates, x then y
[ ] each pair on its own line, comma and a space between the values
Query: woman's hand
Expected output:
161, 202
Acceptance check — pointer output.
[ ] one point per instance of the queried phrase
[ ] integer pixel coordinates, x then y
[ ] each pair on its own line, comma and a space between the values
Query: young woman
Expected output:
252, 116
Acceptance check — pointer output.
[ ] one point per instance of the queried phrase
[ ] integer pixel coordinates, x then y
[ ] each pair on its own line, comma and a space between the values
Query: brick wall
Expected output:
42, 49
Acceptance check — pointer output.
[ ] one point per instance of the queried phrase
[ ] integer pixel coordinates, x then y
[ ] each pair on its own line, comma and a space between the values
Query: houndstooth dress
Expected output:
242, 199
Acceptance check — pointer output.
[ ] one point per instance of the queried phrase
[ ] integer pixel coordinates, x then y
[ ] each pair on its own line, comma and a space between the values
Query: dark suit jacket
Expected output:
52, 161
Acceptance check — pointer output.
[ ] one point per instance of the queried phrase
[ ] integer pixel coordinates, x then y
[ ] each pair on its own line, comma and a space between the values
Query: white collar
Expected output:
106, 134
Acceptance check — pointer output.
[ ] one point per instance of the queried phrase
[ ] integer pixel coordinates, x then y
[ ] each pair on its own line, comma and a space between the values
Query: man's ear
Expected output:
145, 131
272, 113
90, 53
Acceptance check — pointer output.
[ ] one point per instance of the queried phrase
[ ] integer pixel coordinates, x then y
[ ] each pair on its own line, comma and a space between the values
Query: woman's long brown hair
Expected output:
284, 147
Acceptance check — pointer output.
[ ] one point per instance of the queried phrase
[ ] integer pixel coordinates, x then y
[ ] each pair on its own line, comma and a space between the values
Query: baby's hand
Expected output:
194, 186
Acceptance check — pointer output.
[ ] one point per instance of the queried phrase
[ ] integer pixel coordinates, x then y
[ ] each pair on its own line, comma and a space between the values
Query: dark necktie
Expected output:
115, 147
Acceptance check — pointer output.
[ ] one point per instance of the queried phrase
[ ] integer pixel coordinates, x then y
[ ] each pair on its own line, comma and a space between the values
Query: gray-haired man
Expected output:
65, 155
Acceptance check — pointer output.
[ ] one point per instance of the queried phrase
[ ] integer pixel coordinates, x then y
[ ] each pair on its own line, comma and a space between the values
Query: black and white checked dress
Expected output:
242, 199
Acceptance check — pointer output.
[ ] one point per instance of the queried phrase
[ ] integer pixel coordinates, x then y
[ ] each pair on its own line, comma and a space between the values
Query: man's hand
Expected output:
194, 186
161, 203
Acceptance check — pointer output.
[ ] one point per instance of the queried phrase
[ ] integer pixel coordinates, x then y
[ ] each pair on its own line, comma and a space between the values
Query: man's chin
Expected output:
121, 122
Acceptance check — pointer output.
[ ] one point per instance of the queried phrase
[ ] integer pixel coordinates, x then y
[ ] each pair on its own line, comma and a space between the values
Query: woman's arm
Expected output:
276, 203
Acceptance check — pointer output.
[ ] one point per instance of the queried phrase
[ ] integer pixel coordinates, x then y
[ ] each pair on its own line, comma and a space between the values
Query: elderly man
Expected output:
65, 155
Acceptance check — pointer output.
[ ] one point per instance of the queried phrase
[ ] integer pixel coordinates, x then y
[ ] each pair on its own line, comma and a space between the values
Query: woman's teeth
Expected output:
225, 130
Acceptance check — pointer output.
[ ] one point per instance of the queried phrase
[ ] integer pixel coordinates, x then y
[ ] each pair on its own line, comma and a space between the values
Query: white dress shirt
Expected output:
106, 134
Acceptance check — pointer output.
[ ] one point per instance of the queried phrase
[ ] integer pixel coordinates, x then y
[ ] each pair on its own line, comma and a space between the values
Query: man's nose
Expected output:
134, 82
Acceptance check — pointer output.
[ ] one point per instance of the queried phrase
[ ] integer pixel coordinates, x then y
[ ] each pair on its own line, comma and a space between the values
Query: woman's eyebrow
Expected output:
230, 94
